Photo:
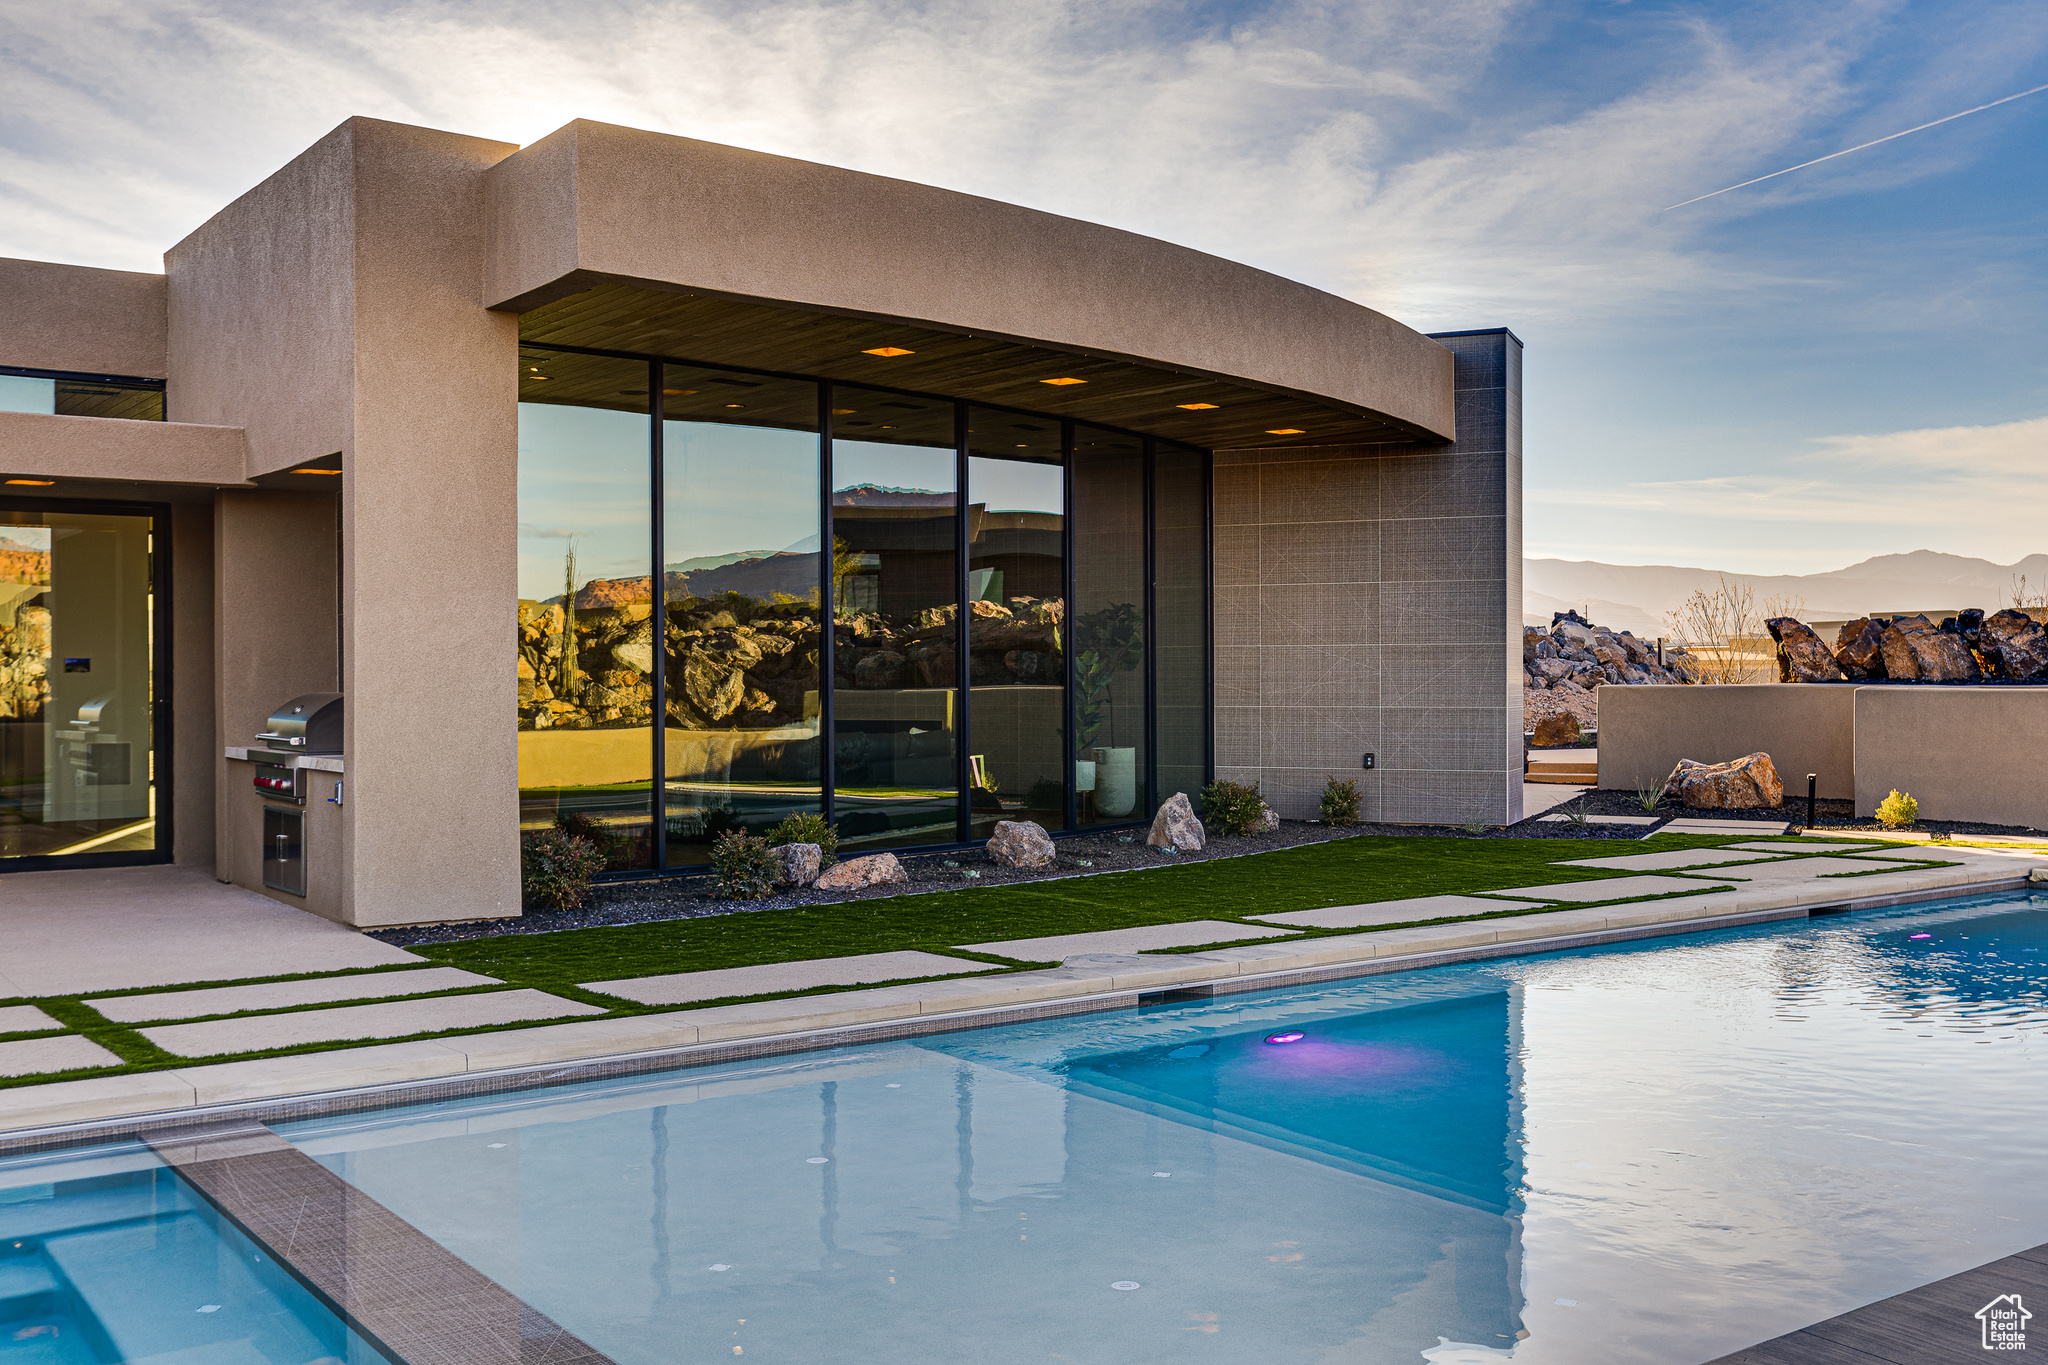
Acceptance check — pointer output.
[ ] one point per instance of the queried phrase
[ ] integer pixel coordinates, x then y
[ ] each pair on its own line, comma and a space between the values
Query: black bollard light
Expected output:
1812, 788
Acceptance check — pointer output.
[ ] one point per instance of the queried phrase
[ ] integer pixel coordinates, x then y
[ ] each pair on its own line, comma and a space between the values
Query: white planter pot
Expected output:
1116, 791
1084, 775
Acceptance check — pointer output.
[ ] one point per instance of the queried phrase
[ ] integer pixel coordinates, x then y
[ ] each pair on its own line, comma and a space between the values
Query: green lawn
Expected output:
1342, 872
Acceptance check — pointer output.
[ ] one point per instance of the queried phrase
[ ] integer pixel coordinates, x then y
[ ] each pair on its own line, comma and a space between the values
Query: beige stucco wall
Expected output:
649, 208
40, 445
71, 317
1964, 753
1804, 727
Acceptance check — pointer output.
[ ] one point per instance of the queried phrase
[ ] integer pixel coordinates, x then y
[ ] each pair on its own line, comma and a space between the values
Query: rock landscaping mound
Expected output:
1563, 666
2008, 646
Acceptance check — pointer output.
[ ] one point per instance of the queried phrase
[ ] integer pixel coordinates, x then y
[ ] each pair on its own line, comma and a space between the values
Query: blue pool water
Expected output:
107, 1257
1653, 1152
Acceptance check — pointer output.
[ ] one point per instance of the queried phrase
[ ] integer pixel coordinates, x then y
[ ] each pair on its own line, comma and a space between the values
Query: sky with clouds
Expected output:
1838, 363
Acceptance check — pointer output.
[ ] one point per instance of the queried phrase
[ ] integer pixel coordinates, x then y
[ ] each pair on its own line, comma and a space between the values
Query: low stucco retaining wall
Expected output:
1804, 727
1965, 753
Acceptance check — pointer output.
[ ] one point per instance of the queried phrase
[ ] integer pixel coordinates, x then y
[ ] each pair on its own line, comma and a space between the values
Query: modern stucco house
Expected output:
517, 449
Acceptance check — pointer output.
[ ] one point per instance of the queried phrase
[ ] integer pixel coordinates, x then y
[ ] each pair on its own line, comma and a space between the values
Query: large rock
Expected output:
876, 869
2015, 642
1268, 821
1559, 731
799, 864
1176, 826
1802, 655
1749, 783
1917, 650
1021, 843
1859, 649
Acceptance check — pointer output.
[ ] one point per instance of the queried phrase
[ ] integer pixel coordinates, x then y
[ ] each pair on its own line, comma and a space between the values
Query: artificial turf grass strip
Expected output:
1353, 871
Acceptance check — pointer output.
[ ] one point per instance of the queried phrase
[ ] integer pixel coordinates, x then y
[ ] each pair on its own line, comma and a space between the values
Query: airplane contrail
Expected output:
1861, 145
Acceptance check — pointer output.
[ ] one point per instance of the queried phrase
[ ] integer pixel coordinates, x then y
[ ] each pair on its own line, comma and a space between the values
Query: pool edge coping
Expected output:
406, 1092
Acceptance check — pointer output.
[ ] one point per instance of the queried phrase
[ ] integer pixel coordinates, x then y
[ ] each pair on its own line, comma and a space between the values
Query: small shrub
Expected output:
1580, 815
1650, 797
1475, 826
577, 825
1339, 805
555, 868
807, 827
1232, 807
1897, 810
744, 866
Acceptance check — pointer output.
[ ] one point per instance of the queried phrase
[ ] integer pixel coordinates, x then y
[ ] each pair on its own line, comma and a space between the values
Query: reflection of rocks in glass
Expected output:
741, 663
1013, 644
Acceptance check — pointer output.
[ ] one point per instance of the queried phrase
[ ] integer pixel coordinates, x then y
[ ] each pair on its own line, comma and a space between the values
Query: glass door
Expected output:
79, 598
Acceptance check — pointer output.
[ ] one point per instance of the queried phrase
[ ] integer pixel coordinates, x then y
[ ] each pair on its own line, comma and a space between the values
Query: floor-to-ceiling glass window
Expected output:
895, 578
740, 574
1016, 591
1108, 626
1180, 617
78, 644
586, 601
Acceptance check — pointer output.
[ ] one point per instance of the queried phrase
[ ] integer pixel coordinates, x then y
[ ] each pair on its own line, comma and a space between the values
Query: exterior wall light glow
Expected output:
1286, 431
33, 483
1290, 1036
888, 350
316, 471
1196, 407
1063, 380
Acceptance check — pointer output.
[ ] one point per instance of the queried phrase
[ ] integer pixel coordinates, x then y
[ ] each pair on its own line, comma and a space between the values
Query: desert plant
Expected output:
555, 868
1722, 633
1339, 805
1232, 807
1897, 810
744, 866
807, 827
1476, 825
1580, 815
1650, 796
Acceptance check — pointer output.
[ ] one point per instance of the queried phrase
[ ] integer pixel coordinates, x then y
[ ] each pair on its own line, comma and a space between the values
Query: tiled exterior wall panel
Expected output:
1368, 600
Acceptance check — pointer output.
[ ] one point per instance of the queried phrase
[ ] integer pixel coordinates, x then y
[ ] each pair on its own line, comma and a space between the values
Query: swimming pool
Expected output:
1656, 1151
107, 1257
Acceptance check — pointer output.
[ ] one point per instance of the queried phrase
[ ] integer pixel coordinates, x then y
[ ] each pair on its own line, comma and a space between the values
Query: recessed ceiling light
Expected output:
537, 377
735, 405
1195, 407
316, 471
1286, 431
888, 350
679, 393
1022, 446
1067, 379
34, 483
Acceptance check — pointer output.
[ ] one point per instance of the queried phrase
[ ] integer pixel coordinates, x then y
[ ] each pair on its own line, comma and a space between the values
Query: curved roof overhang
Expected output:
615, 238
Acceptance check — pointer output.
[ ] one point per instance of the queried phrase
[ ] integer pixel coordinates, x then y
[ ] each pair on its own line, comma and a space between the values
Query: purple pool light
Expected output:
1291, 1036
1913, 936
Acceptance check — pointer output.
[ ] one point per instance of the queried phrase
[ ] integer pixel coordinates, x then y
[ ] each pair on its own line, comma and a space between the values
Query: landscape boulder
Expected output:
2016, 644
1021, 843
799, 864
1268, 821
876, 869
1749, 783
1859, 649
1559, 731
1917, 650
1802, 655
1176, 827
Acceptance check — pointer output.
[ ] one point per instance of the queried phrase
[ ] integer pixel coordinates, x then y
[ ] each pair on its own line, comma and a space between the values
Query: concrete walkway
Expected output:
1770, 889
117, 928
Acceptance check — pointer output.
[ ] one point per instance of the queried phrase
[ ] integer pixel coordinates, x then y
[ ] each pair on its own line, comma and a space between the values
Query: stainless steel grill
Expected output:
306, 725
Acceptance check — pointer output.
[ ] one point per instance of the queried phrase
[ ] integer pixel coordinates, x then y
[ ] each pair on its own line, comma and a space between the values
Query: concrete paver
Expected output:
66, 1052
25, 1019
345, 1023
1394, 912
1637, 820
1671, 859
1611, 889
172, 925
1148, 938
1815, 846
278, 995
1808, 869
681, 988
1685, 824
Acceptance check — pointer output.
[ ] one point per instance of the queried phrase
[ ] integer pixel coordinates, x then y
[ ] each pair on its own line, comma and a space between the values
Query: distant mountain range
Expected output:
1637, 597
